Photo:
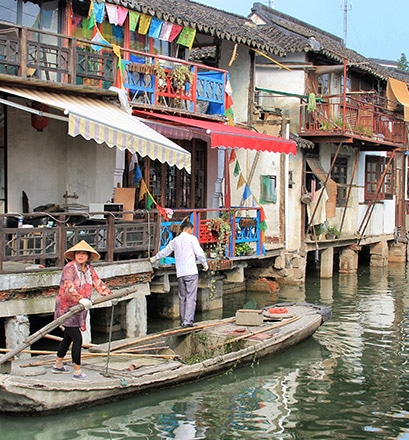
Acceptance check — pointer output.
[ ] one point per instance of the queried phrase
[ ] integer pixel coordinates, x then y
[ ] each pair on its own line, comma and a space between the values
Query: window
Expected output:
323, 84
374, 169
339, 175
268, 189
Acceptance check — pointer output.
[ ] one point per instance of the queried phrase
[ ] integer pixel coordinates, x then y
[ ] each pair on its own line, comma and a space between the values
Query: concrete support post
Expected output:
397, 253
17, 330
210, 293
348, 261
327, 263
136, 317
379, 254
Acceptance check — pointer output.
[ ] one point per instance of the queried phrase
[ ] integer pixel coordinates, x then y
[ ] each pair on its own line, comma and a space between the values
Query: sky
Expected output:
375, 28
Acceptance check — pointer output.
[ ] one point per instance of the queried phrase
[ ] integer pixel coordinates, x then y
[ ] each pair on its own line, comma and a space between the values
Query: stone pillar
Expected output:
17, 330
379, 254
210, 292
348, 260
397, 253
327, 263
136, 313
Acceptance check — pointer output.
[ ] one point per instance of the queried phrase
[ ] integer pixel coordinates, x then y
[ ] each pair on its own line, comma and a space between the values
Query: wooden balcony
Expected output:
151, 80
362, 117
41, 238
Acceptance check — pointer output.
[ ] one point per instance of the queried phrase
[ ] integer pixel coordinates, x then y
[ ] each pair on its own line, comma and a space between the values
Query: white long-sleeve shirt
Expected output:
187, 250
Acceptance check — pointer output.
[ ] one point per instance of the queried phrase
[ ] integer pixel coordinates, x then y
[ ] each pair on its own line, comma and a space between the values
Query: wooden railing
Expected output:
42, 238
365, 116
150, 79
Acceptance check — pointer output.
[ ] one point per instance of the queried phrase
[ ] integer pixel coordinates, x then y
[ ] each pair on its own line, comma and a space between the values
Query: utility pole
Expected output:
346, 8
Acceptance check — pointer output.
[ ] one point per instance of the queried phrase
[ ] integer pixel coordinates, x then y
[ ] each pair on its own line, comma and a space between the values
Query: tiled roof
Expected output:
296, 36
206, 20
282, 34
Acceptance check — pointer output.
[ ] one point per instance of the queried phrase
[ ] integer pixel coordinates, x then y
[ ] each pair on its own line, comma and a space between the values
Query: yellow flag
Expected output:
142, 190
144, 23
241, 181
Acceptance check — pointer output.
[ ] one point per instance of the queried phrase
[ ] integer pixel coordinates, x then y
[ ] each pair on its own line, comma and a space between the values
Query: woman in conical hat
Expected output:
77, 281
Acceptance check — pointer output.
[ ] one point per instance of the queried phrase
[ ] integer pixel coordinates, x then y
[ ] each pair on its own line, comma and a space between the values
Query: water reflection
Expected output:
350, 381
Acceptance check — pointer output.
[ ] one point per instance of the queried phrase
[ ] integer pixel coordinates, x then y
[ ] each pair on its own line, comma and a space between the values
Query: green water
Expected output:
349, 381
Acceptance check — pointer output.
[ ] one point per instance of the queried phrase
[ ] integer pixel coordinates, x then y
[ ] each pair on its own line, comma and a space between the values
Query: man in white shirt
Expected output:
187, 250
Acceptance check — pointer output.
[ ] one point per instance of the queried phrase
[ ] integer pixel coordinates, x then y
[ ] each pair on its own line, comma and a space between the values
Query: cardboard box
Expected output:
249, 317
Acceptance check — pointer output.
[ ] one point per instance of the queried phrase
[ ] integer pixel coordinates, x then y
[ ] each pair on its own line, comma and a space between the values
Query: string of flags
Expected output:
166, 213
247, 193
144, 24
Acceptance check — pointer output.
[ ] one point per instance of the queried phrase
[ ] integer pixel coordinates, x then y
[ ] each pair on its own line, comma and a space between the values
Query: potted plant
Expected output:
243, 249
332, 232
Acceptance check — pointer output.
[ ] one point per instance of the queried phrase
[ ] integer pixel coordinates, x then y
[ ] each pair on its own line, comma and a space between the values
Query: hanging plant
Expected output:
161, 74
220, 227
181, 75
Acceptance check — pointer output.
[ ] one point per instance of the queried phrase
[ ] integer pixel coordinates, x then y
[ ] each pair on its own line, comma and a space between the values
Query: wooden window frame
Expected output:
374, 168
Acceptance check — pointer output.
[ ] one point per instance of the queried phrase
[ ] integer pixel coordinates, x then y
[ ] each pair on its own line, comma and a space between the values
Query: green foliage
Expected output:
403, 63
243, 248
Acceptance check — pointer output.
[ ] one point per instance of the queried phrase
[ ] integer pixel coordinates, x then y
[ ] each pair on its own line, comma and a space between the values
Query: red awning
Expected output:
222, 135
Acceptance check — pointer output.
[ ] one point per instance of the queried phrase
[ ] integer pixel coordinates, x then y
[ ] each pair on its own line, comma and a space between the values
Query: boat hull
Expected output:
44, 392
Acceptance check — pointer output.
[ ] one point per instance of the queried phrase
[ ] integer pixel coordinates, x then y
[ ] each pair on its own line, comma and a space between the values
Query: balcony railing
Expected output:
150, 79
42, 238
365, 116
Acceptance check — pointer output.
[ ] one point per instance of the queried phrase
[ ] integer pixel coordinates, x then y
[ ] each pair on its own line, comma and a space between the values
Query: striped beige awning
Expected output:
103, 122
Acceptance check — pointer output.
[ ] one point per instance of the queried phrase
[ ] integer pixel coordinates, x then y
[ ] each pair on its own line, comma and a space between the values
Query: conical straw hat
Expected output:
82, 246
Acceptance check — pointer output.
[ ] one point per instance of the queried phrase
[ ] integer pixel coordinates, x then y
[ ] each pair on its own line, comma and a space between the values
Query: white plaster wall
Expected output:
47, 164
239, 77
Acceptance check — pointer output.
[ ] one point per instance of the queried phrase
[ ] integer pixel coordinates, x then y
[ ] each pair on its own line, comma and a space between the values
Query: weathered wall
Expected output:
47, 164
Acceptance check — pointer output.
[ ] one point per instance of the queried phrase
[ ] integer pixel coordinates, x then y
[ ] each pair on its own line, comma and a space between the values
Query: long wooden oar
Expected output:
263, 330
59, 321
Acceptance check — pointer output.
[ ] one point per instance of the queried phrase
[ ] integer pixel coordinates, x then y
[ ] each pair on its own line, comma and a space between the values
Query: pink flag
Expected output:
112, 14
174, 32
121, 15
165, 31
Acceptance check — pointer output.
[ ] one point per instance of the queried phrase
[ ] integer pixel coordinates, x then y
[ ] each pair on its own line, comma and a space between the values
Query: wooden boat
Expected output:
135, 366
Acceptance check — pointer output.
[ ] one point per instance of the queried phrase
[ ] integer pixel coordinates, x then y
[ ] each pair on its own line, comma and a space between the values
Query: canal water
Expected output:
349, 381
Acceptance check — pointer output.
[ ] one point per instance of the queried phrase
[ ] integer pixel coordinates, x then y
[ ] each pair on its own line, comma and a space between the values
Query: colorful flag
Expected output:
144, 23
247, 192
99, 10
138, 175
187, 37
91, 16
232, 157
165, 31
155, 27
174, 32
112, 14
121, 14
228, 106
241, 181
162, 212
237, 169
143, 189
133, 20
98, 38
149, 202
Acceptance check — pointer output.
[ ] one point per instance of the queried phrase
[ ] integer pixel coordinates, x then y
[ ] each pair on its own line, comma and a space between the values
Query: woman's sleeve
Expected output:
68, 277
99, 285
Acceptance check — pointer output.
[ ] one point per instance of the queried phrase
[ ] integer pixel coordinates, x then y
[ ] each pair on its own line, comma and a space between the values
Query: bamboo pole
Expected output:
263, 330
59, 339
59, 321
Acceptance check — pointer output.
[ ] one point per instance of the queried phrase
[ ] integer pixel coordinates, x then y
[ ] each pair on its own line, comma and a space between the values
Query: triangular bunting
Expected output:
232, 157
174, 32
247, 192
149, 201
237, 169
98, 38
142, 190
162, 212
241, 181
